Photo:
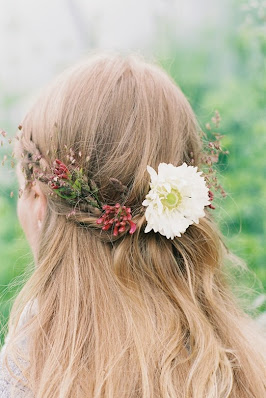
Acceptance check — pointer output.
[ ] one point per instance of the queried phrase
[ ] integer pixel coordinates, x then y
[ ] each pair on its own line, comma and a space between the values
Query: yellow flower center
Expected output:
172, 200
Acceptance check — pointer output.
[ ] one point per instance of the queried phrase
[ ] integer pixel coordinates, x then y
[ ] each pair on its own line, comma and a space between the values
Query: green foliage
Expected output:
15, 256
231, 78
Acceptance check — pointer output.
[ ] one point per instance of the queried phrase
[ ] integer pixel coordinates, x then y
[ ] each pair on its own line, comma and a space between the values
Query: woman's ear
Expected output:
39, 203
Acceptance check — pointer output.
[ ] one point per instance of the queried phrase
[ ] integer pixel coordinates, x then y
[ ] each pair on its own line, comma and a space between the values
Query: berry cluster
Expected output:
70, 183
119, 217
60, 171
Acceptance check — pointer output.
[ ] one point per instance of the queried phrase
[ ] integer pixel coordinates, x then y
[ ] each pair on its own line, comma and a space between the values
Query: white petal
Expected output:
148, 228
145, 202
160, 206
194, 192
152, 173
168, 187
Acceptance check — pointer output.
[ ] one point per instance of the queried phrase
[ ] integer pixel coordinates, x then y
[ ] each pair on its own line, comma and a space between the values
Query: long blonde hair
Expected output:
142, 316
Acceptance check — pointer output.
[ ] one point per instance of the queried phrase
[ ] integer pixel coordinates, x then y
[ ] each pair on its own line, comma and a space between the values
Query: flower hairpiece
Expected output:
70, 183
177, 196
176, 199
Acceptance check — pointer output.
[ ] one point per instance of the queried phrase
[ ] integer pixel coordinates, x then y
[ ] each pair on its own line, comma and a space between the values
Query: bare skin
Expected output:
31, 208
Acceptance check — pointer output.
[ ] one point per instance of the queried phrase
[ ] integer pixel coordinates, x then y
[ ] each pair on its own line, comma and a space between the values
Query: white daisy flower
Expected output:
176, 200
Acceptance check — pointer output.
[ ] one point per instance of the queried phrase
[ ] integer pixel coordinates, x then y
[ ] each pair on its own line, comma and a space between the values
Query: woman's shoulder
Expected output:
8, 383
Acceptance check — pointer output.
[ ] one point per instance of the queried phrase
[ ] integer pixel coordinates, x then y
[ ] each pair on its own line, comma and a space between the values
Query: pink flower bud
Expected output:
62, 165
54, 186
106, 227
133, 227
115, 233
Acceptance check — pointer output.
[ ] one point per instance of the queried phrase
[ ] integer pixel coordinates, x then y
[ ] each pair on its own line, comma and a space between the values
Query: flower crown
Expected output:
177, 197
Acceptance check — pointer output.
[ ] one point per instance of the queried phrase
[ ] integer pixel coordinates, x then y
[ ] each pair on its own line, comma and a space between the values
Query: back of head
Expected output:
138, 315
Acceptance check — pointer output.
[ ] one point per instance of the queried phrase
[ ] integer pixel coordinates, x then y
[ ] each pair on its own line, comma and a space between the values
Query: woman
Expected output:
128, 292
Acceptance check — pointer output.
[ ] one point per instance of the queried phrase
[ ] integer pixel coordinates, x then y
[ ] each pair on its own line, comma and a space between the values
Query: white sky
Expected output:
38, 38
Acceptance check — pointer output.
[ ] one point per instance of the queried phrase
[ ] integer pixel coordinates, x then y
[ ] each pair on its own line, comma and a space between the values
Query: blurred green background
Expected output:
220, 65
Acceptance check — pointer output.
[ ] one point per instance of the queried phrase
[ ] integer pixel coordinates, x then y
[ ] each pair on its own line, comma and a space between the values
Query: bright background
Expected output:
215, 50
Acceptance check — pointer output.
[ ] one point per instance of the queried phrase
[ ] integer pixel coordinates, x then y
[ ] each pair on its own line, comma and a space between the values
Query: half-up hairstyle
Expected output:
141, 315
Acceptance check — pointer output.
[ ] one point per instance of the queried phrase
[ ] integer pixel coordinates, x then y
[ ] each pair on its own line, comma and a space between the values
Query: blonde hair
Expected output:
141, 316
